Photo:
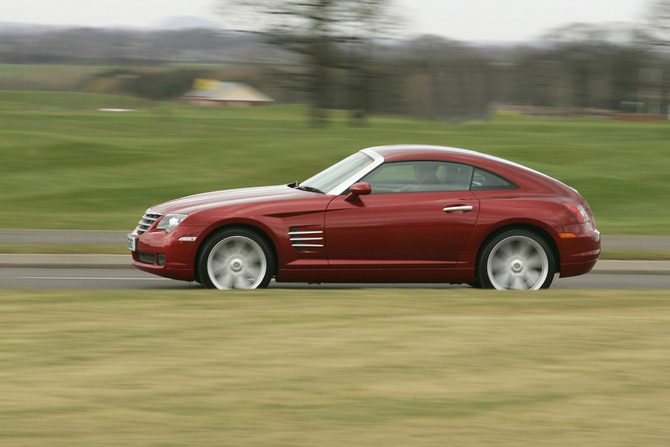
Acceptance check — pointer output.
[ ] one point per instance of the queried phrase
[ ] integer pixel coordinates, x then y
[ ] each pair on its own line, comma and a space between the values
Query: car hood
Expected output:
230, 197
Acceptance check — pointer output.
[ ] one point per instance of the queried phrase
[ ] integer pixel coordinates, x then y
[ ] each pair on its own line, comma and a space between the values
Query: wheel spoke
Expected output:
504, 280
218, 258
518, 283
226, 281
236, 248
531, 278
218, 269
525, 250
535, 261
507, 251
247, 252
498, 264
240, 282
236, 262
517, 262
253, 272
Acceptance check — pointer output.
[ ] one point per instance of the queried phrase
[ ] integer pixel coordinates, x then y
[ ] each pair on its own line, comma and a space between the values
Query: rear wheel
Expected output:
235, 259
516, 259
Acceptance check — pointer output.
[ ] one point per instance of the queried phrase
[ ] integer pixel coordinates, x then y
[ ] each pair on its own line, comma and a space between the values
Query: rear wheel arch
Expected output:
532, 229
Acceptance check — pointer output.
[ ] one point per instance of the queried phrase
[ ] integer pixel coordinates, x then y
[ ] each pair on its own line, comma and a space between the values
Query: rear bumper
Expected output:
579, 254
575, 269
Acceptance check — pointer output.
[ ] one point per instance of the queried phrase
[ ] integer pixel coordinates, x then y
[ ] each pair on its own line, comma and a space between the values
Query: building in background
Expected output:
207, 92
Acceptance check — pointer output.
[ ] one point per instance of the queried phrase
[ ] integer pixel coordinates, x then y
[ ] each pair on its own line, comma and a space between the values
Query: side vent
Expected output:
308, 239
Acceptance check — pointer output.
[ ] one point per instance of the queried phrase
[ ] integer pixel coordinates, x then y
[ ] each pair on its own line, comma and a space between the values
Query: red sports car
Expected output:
384, 214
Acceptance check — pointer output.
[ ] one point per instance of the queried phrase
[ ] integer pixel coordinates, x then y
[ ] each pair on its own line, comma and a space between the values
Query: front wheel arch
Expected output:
214, 234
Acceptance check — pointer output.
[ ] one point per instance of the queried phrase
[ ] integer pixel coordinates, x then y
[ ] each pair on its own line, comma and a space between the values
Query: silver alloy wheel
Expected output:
517, 262
236, 262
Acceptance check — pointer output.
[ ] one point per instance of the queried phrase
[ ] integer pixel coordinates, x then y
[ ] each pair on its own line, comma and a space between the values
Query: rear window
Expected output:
483, 180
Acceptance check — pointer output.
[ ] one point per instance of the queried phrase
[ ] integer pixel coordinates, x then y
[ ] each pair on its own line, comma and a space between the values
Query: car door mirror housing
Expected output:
358, 189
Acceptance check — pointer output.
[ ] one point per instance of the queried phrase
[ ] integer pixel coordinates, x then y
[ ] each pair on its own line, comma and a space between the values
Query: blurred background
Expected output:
428, 59
326, 367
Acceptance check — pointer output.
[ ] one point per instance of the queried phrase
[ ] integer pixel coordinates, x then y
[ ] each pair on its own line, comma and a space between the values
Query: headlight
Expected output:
170, 222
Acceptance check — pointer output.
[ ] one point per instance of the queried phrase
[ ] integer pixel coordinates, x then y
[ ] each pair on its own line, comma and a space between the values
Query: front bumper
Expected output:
171, 255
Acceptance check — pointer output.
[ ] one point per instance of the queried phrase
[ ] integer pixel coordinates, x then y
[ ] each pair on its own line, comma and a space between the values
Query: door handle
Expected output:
464, 208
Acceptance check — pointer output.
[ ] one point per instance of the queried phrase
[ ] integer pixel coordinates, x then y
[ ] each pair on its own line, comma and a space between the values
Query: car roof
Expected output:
504, 167
417, 151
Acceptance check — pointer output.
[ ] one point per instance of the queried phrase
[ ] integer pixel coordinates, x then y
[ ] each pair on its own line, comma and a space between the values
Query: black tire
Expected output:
476, 284
516, 259
235, 259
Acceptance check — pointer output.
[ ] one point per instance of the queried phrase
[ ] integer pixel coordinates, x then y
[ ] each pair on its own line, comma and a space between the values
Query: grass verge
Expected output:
332, 368
636, 255
65, 165
48, 249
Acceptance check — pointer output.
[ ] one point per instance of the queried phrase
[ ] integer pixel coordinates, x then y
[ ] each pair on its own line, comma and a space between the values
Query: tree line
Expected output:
332, 54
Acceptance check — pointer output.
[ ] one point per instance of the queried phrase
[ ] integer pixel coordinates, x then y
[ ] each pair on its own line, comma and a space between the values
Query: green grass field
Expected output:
334, 368
65, 165
45, 77
328, 367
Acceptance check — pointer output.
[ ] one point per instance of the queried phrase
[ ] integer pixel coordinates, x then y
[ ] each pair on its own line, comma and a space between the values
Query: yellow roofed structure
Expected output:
212, 92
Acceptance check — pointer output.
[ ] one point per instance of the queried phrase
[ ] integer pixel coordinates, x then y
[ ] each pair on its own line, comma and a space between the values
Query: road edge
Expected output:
103, 261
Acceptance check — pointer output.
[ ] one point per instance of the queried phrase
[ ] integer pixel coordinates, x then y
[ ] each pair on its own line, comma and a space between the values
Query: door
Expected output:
406, 222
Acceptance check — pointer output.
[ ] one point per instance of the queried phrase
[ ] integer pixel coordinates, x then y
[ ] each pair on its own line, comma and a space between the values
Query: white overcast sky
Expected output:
506, 20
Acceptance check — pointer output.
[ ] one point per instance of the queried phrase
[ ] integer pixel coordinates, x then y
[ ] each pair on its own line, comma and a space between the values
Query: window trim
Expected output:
513, 186
380, 161
344, 186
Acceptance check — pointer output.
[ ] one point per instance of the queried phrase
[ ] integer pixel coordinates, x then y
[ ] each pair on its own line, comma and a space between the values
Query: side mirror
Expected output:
358, 189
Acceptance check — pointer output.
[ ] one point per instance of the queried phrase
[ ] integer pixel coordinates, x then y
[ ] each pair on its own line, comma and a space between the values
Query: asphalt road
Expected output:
74, 237
108, 272
128, 279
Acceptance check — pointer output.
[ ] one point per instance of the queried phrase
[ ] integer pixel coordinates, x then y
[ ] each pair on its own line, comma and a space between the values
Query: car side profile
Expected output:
405, 213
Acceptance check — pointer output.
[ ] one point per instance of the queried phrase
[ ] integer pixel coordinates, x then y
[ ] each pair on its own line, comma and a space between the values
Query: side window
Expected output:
488, 181
419, 176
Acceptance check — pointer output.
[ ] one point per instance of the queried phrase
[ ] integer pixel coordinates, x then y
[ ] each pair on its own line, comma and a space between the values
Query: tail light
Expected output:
578, 211
584, 217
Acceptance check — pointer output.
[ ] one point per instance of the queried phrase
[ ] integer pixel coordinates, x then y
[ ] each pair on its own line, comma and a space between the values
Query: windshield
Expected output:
344, 172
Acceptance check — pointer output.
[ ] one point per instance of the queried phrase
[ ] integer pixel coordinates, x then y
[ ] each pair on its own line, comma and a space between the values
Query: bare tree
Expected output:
597, 66
328, 34
658, 21
658, 79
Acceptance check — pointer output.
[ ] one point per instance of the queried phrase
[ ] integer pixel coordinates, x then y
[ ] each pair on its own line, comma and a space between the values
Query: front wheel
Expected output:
235, 259
516, 259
